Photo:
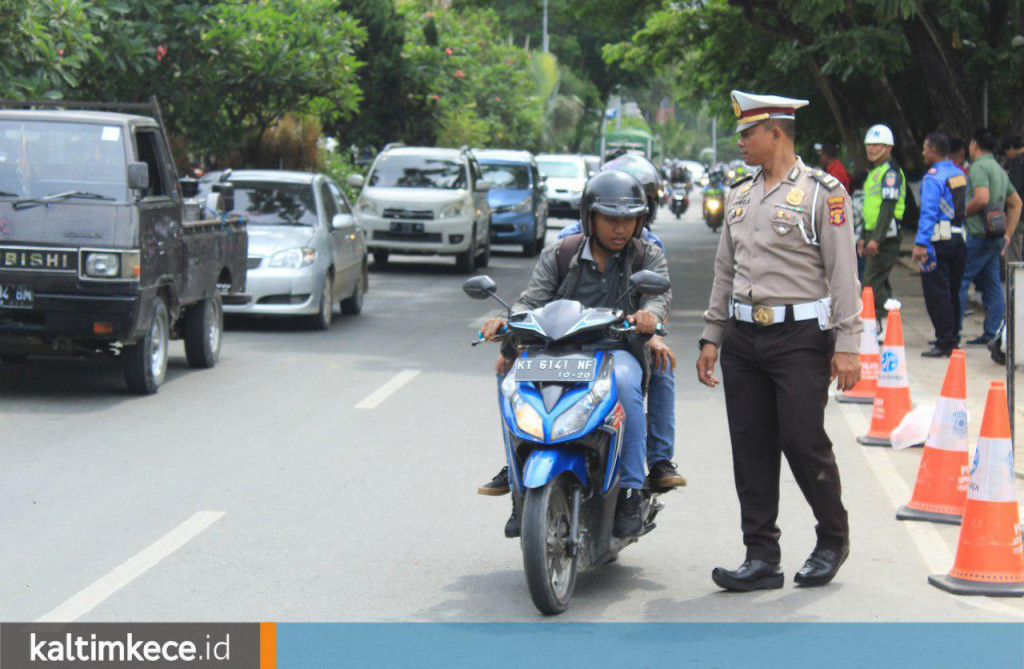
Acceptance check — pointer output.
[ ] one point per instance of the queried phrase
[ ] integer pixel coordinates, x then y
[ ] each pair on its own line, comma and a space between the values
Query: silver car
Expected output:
306, 252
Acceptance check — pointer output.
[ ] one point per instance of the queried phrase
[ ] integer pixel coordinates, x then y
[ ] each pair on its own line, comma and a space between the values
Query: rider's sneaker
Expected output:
628, 518
497, 486
512, 526
664, 475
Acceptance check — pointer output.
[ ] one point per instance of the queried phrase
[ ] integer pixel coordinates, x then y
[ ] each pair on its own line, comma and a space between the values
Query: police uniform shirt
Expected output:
791, 244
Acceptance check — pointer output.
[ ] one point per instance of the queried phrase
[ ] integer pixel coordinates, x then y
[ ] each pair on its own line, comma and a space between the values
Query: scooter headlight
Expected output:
527, 418
509, 386
714, 205
576, 417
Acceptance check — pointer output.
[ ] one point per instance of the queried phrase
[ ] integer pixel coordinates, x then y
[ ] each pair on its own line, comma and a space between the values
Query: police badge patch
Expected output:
890, 179
795, 196
836, 212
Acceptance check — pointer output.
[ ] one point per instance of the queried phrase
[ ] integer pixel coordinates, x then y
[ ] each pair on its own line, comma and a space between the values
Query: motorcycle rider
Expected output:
612, 210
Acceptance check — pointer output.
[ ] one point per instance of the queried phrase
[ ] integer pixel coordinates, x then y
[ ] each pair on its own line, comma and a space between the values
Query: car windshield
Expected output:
506, 176
41, 158
418, 172
566, 169
270, 203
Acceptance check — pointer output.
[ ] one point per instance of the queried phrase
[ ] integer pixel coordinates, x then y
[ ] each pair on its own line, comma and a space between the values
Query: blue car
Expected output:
518, 199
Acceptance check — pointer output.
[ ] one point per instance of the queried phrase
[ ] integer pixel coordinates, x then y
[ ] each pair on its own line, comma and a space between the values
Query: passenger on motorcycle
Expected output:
612, 211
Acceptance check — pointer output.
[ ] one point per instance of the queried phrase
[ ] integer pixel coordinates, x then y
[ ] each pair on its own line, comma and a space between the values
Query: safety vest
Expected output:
873, 196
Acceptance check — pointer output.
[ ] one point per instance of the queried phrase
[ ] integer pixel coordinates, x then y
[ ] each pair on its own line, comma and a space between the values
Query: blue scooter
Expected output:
563, 436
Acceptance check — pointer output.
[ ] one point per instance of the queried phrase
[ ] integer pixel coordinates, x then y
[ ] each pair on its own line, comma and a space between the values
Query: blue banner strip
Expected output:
769, 645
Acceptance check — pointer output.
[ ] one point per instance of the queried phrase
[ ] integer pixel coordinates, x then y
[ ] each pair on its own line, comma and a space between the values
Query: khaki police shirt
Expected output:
771, 253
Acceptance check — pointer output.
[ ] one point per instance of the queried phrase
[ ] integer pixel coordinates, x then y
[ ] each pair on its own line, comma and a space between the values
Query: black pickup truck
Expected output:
97, 253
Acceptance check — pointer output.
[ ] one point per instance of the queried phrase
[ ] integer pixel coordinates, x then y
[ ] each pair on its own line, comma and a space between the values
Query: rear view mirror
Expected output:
138, 176
342, 221
356, 180
647, 282
480, 287
483, 186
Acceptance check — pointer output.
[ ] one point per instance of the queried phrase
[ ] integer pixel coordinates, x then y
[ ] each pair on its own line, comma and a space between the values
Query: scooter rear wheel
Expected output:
550, 569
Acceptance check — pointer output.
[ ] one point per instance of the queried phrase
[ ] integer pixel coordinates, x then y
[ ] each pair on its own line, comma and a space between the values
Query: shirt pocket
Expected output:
787, 226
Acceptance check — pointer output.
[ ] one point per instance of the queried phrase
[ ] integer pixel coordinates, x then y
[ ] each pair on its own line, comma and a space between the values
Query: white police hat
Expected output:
751, 109
879, 134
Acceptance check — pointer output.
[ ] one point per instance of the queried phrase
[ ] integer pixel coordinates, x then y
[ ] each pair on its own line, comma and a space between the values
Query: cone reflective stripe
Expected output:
864, 391
944, 472
892, 399
989, 555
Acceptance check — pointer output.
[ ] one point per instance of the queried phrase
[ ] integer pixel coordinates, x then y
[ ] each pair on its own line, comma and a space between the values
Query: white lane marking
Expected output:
388, 389
934, 550
128, 571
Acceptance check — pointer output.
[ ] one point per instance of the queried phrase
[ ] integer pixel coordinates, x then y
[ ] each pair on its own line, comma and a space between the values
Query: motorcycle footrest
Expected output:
647, 528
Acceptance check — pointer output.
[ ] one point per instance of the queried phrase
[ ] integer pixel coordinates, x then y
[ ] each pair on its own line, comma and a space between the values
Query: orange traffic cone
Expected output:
864, 391
942, 478
892, 400
989, 557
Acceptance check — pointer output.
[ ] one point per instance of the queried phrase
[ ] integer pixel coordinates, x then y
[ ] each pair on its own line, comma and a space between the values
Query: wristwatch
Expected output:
700, 344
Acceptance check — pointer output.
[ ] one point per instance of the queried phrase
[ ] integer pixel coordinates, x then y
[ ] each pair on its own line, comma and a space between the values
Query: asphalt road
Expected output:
331, 476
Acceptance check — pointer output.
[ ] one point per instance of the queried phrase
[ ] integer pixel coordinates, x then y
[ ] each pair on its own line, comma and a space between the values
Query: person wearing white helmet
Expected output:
885, 201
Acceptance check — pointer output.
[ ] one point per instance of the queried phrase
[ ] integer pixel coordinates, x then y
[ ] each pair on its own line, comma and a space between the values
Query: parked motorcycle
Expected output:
680, 199
562, 425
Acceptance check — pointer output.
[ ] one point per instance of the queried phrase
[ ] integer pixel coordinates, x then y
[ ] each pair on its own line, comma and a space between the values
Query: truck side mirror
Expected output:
342, 221
356, 180
138, 176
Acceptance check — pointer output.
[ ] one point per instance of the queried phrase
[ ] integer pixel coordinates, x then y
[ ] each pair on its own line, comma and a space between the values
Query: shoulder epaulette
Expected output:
737, 182
826, 180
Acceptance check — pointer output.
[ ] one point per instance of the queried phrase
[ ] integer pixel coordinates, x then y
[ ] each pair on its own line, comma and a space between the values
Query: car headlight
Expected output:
293, 258
366, 205
576, 191
527, 418
103, 265
524, 207
714, 205
576, 417
453, 210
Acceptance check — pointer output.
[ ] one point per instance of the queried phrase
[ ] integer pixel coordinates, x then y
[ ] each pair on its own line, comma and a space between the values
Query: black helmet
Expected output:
614, 194
647, 174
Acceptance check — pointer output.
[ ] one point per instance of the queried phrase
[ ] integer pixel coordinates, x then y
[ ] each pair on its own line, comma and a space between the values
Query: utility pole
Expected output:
545, 42
714, 139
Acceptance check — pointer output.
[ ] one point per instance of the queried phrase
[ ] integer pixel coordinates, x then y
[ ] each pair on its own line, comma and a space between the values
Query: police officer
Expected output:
785, 310
885, 200
940, 246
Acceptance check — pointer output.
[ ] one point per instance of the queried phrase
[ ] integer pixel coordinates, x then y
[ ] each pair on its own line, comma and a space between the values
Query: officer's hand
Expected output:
502, 365
645, 322
860, 247
662, 356
872, 248
846, 366
492, 327
919, 254
706, 365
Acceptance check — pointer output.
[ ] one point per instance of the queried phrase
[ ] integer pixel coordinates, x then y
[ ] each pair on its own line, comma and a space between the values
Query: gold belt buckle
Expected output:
764, 315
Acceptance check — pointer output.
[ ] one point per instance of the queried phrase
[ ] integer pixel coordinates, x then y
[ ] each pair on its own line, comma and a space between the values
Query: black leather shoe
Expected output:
821, 567
937, 353
664, 476
751, 575
512, 528
628, 513
497, 486
980, 341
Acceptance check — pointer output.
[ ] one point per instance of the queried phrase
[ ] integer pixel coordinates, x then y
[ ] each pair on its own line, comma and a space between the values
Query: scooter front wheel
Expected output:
550, 568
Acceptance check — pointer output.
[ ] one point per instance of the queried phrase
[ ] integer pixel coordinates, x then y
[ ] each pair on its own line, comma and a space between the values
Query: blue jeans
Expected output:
661, 417
983, 261
629, 384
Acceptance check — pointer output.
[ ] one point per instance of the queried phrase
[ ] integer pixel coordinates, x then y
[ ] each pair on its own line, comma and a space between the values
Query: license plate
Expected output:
551, 369
15, 297
407, 228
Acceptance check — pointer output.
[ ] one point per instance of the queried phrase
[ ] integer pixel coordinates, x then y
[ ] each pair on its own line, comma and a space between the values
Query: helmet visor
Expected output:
619, 207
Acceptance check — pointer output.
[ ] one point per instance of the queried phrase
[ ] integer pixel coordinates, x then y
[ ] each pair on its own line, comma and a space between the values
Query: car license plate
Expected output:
561, 369
406, 228
15, 297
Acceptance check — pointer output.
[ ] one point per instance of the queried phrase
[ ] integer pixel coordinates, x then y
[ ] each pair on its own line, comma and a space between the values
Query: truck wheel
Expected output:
145, 362
204, 324
380, 257
484, 258
465, 261
322, 320
550, 569
353, 306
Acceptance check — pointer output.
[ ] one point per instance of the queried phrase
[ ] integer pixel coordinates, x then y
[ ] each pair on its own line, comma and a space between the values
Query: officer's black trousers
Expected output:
776, 387
941, 288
